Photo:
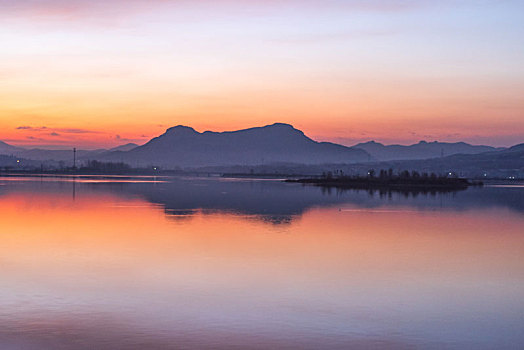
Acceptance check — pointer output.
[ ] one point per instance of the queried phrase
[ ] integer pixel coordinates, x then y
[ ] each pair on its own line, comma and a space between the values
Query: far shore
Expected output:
404, 181
341, 182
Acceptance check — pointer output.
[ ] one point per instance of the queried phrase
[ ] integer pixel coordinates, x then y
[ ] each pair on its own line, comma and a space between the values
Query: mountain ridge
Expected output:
183, 146
420, 150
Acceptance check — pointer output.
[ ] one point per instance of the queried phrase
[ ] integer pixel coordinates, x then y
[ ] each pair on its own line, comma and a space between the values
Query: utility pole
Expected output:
74, 158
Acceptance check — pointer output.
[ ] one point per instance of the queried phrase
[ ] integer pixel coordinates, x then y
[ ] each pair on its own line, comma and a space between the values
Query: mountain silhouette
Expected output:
183, 146
280, 148
126, 147
516, 148
501, 163
66, 155
7, 149
421, 150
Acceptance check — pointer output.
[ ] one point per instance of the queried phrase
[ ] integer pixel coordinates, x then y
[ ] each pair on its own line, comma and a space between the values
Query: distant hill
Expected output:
7, 149
56, 155
516, 148
44, 155
182, 146
496, 163
504, 163
421, 150
124, 148
112, 152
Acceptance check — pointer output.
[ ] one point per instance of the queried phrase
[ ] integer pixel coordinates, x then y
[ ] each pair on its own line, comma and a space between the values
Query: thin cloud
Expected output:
77, 131
123, 139
56, 131
33, 138
25, 127
98, 9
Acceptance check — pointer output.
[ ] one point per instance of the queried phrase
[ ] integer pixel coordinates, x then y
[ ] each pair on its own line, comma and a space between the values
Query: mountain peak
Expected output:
281, 125
181, 130
281, 128
371, 143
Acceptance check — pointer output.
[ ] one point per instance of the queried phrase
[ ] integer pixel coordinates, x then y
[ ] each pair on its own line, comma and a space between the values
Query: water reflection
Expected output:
195, 264
270, 201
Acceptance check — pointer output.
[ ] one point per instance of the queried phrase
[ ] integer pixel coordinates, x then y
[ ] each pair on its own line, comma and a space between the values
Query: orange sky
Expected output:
97, 75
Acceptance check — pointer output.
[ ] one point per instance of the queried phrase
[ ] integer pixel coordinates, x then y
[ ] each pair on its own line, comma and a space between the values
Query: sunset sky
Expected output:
101, 73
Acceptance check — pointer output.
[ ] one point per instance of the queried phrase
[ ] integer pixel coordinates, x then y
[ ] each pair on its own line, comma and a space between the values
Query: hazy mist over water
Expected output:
211, 263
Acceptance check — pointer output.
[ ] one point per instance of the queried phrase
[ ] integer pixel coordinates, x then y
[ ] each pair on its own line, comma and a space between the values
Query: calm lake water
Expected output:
163, 263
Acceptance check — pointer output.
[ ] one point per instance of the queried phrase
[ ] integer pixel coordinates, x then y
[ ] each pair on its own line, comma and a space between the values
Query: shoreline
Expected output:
395, 183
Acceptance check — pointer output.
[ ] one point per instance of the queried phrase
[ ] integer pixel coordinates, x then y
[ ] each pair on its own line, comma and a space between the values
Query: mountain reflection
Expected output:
269, 201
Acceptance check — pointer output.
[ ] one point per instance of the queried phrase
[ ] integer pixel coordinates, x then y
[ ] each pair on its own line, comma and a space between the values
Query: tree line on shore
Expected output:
386, 175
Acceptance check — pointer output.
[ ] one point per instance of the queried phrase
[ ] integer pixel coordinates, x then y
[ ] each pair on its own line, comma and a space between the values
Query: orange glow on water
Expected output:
140, 272
104, 232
